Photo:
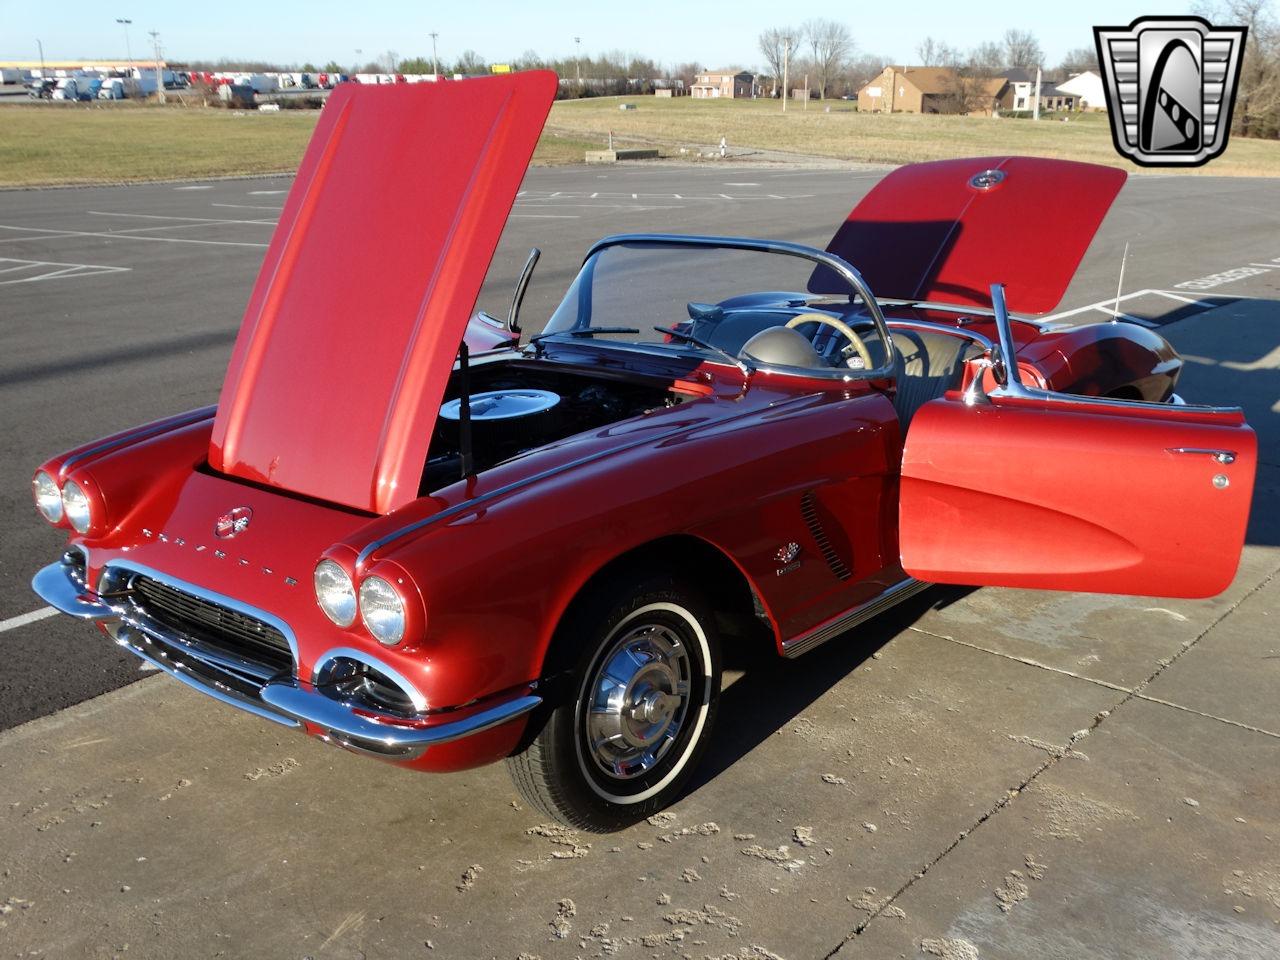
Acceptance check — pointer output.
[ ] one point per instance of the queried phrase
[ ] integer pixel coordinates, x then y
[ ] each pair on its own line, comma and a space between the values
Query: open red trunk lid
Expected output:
945, 231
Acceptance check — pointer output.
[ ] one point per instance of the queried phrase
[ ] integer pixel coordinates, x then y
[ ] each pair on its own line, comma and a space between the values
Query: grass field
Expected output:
845, 134
56, 144
68, 144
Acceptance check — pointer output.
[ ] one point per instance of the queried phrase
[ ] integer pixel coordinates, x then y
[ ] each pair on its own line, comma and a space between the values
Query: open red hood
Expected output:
357, 314
945, 231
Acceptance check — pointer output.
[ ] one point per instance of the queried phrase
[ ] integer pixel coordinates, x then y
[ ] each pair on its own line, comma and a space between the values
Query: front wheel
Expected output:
633, 721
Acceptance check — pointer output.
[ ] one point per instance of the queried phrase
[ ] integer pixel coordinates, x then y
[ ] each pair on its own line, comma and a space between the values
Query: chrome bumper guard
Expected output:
280, 699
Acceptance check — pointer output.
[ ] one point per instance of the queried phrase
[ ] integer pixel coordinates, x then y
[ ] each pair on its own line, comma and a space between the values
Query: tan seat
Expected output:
931, 364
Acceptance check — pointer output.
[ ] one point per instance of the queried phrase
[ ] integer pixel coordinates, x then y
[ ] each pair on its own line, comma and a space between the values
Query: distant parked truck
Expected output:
68, 88
119, 88
237, 94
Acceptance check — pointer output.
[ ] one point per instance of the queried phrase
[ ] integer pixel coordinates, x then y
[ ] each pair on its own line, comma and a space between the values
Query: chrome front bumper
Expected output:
282, 700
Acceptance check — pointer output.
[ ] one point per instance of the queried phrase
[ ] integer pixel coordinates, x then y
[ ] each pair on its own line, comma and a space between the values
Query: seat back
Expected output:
931, 364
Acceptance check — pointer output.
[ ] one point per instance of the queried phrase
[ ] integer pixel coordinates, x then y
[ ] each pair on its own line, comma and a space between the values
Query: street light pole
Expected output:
155, 38
127, 48
42, 70
786, 56
577, 59
435, 60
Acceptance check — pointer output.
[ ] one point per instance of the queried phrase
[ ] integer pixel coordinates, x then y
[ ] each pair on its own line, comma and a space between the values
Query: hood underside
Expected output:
945, 231
368, 284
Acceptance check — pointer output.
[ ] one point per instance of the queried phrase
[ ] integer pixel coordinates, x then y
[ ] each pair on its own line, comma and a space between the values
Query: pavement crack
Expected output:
1014, 792
1027, 661
1207, 716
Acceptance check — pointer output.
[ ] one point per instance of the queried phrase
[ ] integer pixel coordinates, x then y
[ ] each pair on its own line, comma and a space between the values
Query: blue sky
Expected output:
711, 34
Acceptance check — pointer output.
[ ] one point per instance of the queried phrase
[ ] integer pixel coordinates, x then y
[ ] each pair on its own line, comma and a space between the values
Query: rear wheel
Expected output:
631, 724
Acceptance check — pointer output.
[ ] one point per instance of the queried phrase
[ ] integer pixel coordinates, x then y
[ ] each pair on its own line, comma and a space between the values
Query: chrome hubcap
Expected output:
637, 701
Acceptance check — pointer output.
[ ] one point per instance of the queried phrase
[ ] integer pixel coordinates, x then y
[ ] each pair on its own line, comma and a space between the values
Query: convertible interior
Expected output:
929, 362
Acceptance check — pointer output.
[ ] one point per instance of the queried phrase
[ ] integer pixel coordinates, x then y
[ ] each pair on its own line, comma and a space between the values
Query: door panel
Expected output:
1065, 494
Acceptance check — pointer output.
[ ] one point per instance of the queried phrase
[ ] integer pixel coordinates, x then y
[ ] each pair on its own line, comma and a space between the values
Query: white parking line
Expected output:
119, 235
156, 216
265, 193
23, 619
247, 206
204, 187
51, 270
1108, 306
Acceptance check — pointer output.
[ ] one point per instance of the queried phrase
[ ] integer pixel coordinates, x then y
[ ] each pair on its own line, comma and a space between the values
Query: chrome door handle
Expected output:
1220, 456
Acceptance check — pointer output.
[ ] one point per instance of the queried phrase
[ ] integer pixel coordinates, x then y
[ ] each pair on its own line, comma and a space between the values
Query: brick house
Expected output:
723, 83
899, 89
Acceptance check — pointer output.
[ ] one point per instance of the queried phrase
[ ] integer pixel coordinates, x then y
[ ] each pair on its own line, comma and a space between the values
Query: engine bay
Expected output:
521, 406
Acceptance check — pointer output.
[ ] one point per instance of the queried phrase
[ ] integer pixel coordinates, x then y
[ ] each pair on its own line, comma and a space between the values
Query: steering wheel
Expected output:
855, 341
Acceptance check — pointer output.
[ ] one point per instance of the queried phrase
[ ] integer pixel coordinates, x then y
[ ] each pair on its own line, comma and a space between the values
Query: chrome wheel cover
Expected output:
636, 701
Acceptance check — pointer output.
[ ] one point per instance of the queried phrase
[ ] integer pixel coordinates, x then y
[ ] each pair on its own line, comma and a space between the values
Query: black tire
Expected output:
560, 773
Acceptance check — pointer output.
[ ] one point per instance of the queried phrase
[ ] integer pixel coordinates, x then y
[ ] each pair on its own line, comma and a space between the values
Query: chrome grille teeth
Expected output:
220, 626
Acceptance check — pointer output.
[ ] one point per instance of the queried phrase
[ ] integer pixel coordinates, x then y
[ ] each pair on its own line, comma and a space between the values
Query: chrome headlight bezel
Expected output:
76, 507
382, 610
335, 593
48, 497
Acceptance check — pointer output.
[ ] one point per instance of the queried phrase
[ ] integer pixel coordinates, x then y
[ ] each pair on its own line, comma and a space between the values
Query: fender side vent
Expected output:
809, 513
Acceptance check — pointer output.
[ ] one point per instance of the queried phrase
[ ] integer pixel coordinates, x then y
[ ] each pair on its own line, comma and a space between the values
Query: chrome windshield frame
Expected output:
841, 267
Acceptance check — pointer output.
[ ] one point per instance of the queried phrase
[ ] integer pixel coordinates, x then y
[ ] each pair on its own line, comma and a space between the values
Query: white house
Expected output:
1088, 87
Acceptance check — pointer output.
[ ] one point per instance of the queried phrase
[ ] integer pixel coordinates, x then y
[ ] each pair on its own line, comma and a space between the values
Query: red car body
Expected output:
793, 495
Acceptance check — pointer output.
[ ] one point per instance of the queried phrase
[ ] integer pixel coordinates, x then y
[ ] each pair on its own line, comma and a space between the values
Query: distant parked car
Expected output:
41, 89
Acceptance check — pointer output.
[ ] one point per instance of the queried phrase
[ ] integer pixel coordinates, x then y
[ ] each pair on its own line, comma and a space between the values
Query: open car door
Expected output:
1027, 488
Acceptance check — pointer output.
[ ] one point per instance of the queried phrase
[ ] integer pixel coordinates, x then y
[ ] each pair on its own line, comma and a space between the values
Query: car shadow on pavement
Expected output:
1231, 357
772, 693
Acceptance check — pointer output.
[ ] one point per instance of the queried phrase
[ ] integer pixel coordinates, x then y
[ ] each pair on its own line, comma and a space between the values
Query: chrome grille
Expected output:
222, 628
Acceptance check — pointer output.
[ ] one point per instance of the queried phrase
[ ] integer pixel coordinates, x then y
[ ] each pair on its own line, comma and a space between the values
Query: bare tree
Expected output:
936, 53
1078, 61
987, 59
773, 44
682, 75
830, 44
860, 71
1022, 50
971, 88
470, 64
1257, 112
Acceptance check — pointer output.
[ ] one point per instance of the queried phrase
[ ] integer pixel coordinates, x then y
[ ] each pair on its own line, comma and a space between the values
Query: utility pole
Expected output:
806, 91
155, 38
786, 55
1036, 114
435, 60
42, 70
127, 49
577, 59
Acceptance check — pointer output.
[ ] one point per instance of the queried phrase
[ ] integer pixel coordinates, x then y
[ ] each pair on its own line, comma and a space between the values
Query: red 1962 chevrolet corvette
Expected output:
405, 532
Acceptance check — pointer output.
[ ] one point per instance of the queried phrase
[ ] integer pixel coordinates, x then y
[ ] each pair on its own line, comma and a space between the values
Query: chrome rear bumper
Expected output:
280, 699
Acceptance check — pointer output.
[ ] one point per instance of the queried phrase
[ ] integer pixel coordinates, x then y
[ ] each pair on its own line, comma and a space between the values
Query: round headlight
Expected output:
335, 594
76, 505
382, 610
48, 497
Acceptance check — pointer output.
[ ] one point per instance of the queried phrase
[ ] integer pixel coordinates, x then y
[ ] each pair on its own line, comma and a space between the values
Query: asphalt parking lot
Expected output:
983, 774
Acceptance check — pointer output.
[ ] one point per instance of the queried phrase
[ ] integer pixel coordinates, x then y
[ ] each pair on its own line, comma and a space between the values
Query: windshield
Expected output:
725, 302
